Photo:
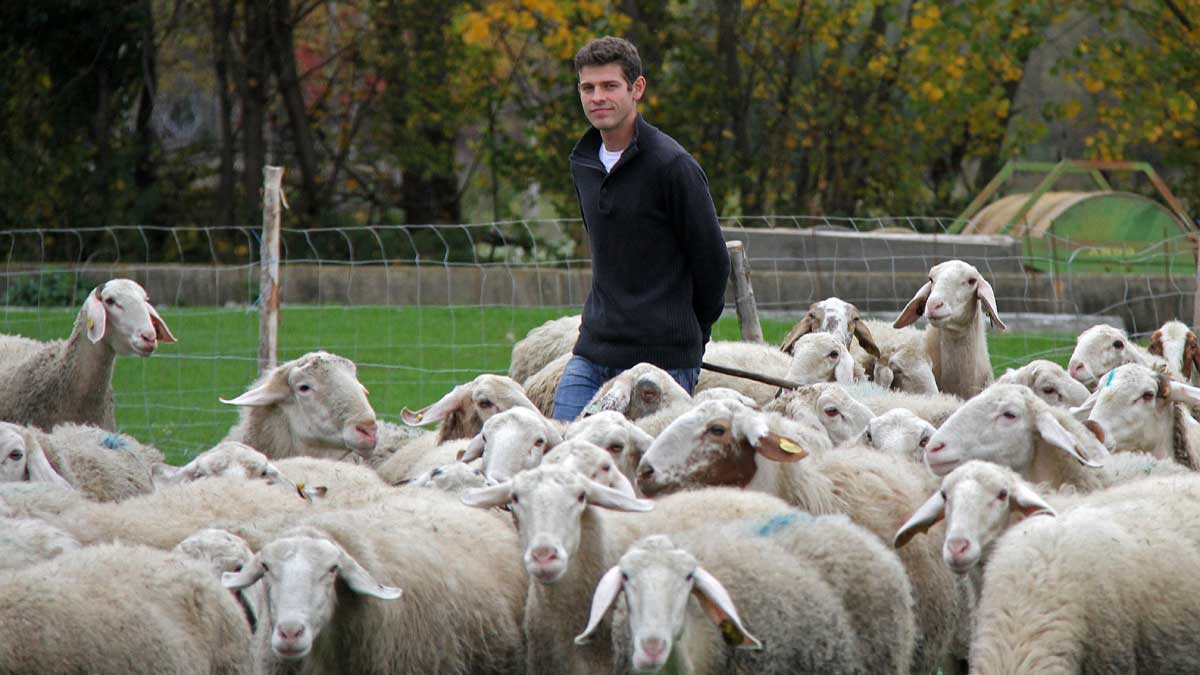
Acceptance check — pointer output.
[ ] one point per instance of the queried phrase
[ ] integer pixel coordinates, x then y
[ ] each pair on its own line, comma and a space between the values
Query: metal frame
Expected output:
1053, 172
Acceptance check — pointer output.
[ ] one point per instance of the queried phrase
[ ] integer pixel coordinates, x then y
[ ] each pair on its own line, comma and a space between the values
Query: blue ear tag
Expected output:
1108, 382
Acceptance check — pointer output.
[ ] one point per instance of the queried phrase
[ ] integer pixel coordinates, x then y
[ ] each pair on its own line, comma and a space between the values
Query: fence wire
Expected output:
422, 308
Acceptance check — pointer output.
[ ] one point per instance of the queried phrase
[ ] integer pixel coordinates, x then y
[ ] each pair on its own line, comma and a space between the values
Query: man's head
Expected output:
610, 82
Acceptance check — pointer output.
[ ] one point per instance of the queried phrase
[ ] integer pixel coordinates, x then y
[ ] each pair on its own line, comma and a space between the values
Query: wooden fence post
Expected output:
743, 293
268, 308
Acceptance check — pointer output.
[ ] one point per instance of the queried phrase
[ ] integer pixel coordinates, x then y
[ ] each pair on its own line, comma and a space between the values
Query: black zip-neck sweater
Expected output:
659, 262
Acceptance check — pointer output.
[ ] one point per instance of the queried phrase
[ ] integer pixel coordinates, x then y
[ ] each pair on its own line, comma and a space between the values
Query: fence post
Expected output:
743, 293
268, 308
1194, 240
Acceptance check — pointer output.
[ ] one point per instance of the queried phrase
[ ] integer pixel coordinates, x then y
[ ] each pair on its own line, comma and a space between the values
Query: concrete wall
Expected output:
1143, 303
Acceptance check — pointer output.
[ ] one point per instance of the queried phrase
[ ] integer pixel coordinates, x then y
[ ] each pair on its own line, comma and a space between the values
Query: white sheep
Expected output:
747, 356
103, 465
622, 439
724, 443
119, 609
724, 392
934, 408
823, 594
1104, 589
566, 544
1009, 425
640, 391
842, 416
542, 345
222, 551
420, 456
954, 301
38, 500
23, 459
899, 432
71, 380
836, 317
454, 478
27, 541
821, 357
313, 405
542, 385
1049, 381
227, 458
510, 441
390, 590
464, 409
1176, 344
1101, 348
591, 461
1142, 410
902, 364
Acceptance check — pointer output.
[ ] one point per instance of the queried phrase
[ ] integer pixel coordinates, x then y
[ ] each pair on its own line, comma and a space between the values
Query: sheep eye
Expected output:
869, 438
304, 388
581, 497
237, 568
833, 354
616, 448
1003, 495
972, 281
110, 302
485, 403
606, 468
539, 442
332, 569
624, 577
831, 411
716, 430
15, 455
943, 494
1148, 396
1048, 390
264, 567
1009, 415
924, 442
436, 472
515, 500
1118, 345
691, 576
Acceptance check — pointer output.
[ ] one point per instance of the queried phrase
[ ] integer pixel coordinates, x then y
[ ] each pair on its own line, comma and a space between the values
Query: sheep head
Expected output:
119, 314
951, 298
836, 317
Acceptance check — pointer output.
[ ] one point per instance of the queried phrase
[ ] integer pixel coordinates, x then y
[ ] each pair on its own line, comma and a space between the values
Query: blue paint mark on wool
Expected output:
113, 442
1108, 383
778, 523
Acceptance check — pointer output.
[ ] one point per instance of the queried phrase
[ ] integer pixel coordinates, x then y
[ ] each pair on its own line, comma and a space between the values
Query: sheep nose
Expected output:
654, 647
958, 547
936, 304
290, 631
936, 447
1077, 368
543, 555
368, 430
148, 336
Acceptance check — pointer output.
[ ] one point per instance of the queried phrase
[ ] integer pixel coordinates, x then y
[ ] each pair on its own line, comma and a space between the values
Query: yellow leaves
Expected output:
476, 29
1072, 108
45, 81
726, 133
925, 16
1153, 134
1019, 31
1002, 109
932, 91
1092, 85
956, 68
877, 65
921, 54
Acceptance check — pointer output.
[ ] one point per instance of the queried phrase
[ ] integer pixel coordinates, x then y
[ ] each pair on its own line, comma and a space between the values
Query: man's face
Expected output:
608, 100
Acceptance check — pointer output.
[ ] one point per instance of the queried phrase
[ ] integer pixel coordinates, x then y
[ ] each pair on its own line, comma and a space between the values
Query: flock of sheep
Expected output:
898, 512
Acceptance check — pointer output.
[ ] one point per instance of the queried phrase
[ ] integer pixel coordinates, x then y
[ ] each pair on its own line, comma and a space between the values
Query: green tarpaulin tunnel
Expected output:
1092, 231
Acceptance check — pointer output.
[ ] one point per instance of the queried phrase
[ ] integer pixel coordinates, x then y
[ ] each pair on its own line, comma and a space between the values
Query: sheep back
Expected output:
104, 465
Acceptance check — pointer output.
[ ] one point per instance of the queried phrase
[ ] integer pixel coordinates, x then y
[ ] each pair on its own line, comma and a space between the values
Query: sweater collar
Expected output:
588, 146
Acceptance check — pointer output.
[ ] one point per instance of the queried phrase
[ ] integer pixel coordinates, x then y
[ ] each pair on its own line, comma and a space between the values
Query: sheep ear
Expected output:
474, 450
865, 339
553, 435
360, 580
1191, 354
1184, 393
806, 326
602, 495
933, 510
616, 398
274, 388
884, 375
983, 291
915, 307
163, 475
750, 428
489, 497
641, 440
1054, 433
623, 485
843, 370
95, 315
1094, 427
1156, 346
719, 607
161, 332
1025, 500
1084, 409
440, 410
249, 574
603, 598
37, 467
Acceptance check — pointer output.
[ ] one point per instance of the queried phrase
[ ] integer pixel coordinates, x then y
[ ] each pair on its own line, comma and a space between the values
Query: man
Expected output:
659, 262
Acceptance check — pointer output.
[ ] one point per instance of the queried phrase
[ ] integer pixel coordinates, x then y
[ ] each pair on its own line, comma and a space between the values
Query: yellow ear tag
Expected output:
420, 416
300, 491
730, 633
790, 447
90, 324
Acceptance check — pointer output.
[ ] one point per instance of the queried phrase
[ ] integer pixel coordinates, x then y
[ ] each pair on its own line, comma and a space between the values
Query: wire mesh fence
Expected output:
422, 308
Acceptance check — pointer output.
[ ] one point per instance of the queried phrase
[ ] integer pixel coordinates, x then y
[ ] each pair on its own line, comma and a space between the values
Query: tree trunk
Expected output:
145, 171
222, 27
728, 14
283, 63
253, 90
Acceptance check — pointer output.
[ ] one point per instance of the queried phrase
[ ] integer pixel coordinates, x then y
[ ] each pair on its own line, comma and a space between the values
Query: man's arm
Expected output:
695, 220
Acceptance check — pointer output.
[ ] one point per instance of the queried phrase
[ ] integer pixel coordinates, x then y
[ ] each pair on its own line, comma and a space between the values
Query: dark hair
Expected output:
609, 49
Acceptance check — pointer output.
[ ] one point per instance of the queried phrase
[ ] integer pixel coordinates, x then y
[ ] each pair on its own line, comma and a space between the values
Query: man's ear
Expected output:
639, 88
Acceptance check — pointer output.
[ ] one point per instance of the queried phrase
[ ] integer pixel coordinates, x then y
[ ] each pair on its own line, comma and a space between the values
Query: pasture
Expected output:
407, 356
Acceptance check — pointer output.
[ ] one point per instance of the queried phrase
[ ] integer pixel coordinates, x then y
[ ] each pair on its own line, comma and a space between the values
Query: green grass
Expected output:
407, 356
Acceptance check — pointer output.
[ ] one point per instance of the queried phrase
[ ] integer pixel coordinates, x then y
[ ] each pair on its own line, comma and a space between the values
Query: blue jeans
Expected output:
581, 379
